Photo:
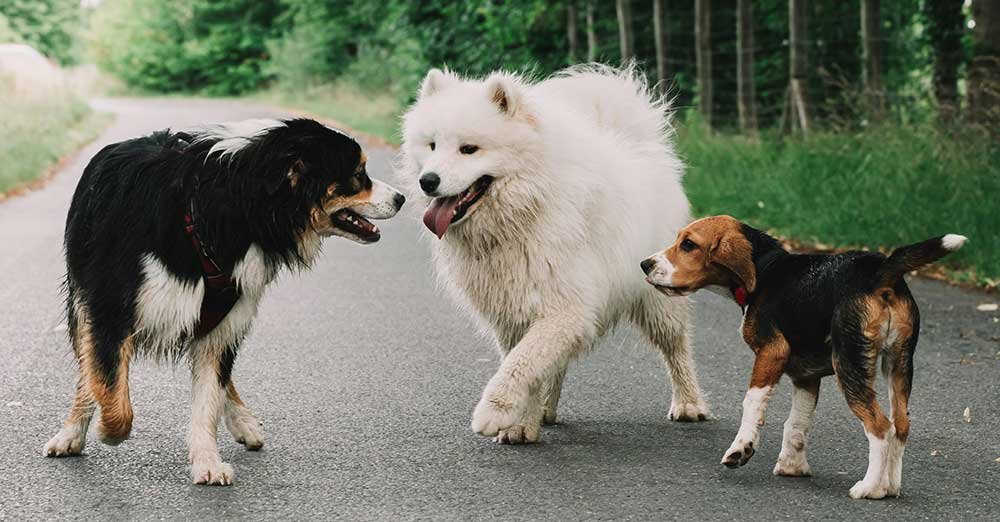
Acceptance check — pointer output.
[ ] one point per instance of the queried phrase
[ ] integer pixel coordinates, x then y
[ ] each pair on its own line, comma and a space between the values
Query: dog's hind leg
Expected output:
210, 373
664, 321
104, 366
550, 395
898, 366
242, 423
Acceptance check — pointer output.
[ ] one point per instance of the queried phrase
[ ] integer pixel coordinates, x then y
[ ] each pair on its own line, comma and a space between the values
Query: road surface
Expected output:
365, 378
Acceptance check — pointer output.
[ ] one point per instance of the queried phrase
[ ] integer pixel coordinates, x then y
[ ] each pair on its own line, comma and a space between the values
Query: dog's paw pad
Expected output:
787, 469
738, 454
212, 473
873, 490
688, 412
64, 445
519, 435
248, 431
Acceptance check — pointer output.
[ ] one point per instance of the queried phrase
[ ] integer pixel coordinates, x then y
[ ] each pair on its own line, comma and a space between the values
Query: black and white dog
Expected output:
170, 241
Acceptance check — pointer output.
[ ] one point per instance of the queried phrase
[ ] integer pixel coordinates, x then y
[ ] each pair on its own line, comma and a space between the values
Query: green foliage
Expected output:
881, 187
36, 131
51, 26
215, 47
7, 35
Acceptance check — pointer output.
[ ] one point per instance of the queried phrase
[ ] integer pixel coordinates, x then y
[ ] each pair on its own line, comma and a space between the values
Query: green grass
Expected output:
373, 113
35, 132
877, 188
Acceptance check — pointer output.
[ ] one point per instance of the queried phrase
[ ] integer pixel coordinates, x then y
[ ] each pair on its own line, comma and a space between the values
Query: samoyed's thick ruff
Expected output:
574, 169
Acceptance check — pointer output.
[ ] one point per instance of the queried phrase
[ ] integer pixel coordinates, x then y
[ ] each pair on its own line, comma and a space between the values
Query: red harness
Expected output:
740, 294
221, 291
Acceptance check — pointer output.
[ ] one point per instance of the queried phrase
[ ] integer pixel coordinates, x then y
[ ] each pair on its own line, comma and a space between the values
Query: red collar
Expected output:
221, 291
740, 294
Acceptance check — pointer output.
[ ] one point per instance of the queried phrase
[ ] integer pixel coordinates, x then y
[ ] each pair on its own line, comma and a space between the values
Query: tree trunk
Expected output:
871, 37
796, 110
662, 42
591, 34
945, 25
984, 71
624, 8
571, 31
703, 57
744, 68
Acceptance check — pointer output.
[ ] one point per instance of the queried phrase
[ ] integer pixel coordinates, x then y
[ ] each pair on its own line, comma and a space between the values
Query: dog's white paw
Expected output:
792, 465
212, 473
67, 442
519, 434
738, 454
492, 416
688, 411
873, 489
246, 429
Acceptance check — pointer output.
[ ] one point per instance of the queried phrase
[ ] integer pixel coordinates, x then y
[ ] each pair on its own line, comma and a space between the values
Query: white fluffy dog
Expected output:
540, 194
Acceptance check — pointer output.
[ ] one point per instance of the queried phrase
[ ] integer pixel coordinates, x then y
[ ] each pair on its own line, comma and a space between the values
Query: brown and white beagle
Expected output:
810, 316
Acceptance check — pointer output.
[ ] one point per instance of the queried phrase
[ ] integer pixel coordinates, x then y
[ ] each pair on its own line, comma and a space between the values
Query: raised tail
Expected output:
911, 257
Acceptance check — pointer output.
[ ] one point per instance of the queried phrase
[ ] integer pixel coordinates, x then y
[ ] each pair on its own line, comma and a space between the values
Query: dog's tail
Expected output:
911, 257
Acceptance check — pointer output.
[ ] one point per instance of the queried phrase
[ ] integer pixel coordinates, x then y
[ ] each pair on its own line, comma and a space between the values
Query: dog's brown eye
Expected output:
687, 245
432, 145
468, 149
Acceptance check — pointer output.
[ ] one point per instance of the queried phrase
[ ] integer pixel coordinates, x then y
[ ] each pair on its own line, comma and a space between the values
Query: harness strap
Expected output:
221, 291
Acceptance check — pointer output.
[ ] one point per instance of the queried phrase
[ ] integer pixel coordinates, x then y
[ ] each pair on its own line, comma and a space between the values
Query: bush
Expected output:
50, 26
215, 47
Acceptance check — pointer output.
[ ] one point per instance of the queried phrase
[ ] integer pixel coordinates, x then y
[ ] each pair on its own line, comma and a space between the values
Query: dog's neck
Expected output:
765, 251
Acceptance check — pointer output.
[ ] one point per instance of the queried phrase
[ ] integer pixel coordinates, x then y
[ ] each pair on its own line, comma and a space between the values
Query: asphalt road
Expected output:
365, 377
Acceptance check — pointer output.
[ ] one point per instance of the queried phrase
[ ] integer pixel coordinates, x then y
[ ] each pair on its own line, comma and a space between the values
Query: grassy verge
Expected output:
878, 188
36, 132
373, 113
875, 189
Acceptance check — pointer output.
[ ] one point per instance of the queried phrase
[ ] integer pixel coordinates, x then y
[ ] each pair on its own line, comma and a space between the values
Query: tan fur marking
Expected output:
722, 253
116, 405
769, 365
232, 394
872, 417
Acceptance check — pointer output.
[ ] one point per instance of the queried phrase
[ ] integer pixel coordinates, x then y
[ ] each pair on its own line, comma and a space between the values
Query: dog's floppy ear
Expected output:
733, 252
295, 172
505, 92
436, 80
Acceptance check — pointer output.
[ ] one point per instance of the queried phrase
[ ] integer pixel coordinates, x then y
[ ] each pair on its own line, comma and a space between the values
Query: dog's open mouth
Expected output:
672, 290
442, 212
346, 220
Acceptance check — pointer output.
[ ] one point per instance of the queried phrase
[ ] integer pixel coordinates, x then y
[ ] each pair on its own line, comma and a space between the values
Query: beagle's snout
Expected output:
647, 265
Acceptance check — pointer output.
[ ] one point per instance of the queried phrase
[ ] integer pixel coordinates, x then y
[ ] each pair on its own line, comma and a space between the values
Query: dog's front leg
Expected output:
509, 409
208, 394
767, 370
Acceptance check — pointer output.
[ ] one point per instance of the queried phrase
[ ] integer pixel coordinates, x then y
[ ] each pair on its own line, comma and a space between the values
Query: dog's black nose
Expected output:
429, 182
647, 265
399, 199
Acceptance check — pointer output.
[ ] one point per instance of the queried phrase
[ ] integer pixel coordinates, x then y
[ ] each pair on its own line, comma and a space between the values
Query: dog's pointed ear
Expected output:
295, 172
505, 92
733, 252
436, 80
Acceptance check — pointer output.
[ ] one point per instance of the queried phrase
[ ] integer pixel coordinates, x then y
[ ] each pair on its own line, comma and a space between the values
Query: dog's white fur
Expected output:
548, 259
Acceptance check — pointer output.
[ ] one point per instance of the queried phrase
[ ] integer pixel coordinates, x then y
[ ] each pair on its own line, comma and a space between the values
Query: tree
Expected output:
945, 24
662, 37
625, 35
796, 109
871, 45
50, 26
984, 71
571, 32
703, 57
744, 67
591, 33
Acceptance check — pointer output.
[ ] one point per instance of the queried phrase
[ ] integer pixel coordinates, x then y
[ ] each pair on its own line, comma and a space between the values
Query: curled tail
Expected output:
911, 257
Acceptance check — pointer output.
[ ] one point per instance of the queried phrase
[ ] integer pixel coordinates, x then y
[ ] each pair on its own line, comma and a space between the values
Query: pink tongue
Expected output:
438, 215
